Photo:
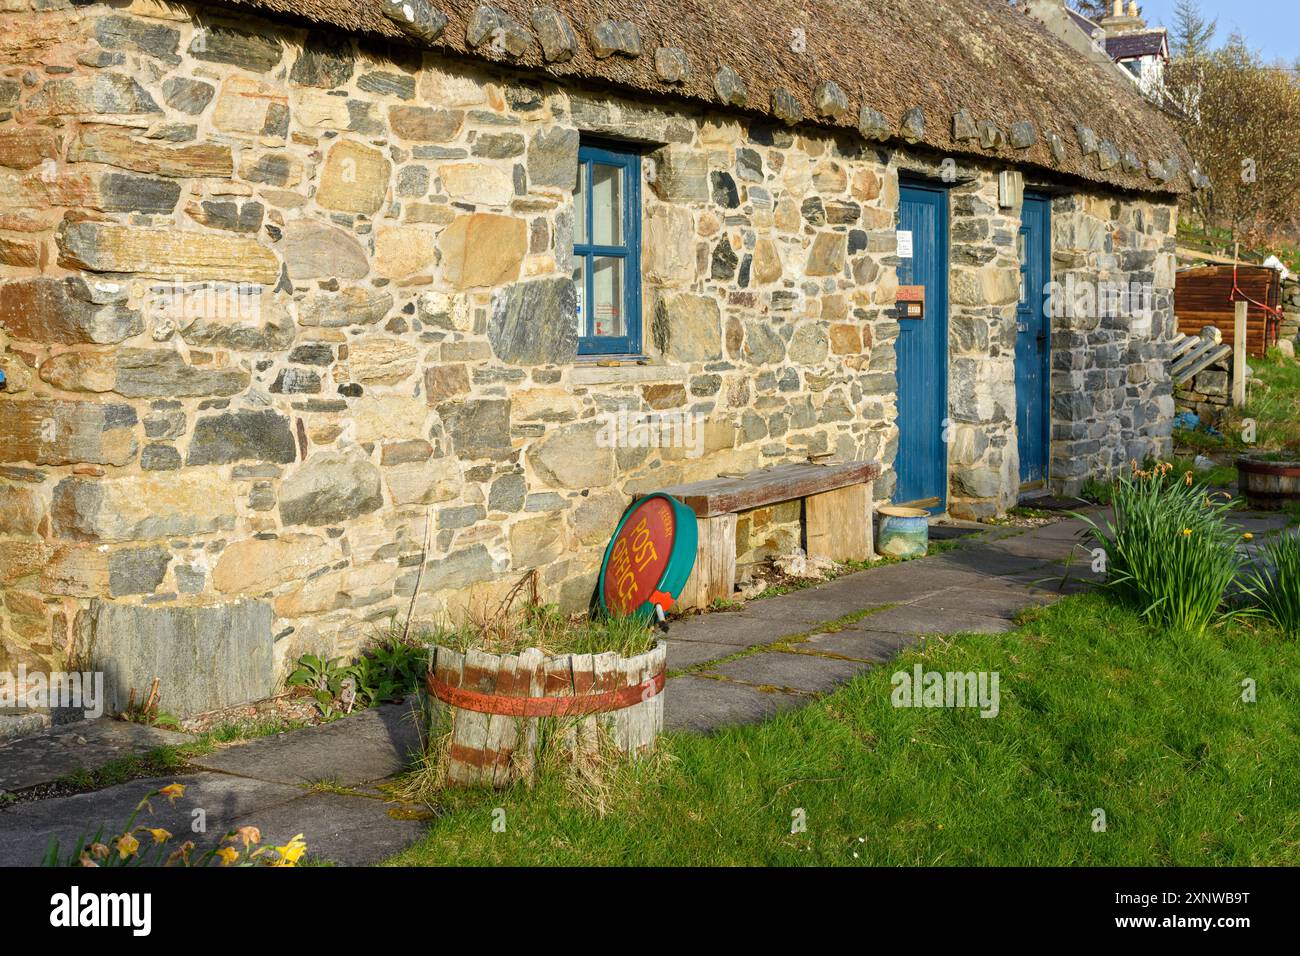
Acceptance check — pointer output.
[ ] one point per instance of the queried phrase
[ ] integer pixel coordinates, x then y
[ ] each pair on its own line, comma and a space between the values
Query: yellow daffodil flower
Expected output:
182, 854
160, 835
172, 791
127, 846
227, 855
291, 852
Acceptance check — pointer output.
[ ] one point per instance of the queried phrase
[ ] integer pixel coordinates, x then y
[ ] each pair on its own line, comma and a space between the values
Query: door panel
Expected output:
1033, 340
922, 462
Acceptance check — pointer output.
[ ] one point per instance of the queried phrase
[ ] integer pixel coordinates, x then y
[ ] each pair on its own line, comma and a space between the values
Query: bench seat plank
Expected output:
717, 496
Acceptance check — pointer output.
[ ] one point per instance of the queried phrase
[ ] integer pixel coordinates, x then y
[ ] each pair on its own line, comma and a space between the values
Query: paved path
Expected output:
730, 668
977, 588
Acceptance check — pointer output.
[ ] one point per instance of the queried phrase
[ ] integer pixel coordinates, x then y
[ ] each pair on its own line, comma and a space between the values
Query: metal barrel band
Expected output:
545, 706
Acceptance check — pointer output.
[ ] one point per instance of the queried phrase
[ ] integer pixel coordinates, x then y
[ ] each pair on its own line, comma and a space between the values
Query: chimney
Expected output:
1118, 9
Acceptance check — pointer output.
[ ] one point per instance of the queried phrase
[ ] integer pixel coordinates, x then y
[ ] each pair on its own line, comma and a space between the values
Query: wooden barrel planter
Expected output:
498, 707
1269, 485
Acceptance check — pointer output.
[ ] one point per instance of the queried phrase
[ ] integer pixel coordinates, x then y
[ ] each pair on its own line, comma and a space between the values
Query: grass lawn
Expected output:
1274, 405
1097, 711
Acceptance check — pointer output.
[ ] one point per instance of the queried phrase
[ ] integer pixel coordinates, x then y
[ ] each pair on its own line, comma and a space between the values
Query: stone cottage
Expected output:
317, 312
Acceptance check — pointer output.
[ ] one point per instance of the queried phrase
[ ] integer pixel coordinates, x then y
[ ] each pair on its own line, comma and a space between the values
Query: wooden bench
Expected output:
837, 517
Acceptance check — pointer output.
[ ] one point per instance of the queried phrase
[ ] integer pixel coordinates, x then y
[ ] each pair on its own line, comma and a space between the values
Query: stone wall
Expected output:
1112, 397
287, 330
1209, 393
1289, 327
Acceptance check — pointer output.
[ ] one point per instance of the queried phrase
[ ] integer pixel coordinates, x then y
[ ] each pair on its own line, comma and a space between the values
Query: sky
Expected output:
1268, 25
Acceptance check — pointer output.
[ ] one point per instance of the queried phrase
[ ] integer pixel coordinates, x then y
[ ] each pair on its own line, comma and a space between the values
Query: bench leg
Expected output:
714, 575
839, 524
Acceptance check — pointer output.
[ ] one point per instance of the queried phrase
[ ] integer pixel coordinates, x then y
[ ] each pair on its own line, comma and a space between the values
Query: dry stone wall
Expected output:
1112, 397
287, 328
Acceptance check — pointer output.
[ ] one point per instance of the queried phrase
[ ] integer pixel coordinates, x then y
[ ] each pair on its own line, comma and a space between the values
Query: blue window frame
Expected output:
607, 250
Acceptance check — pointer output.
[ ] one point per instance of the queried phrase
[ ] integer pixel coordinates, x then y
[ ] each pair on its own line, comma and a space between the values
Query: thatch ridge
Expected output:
943, 56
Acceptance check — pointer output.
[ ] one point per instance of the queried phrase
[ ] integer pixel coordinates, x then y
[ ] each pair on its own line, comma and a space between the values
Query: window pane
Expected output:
607, 291
580, 206
580, 286
607, 205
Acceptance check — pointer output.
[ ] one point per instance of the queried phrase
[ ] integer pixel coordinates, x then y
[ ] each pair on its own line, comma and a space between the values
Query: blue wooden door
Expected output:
1033, 339
922, 462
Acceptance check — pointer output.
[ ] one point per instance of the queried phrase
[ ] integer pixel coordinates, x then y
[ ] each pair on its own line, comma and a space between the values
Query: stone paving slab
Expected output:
1067, 531
343, 829
1055, 581
865, 645
1045, 549
362, 748
26, 828
981, 564
704, 705
84, 745
684, 654
913, 619
1259, 522
805, 673
878, 588
738, 629
996, 600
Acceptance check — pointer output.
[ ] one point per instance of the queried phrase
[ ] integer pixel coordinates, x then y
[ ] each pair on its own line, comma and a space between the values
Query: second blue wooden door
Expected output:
922, 462
1033, 340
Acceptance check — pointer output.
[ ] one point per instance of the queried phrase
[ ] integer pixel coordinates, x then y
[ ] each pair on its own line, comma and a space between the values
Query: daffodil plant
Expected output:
1170, 552
141, 845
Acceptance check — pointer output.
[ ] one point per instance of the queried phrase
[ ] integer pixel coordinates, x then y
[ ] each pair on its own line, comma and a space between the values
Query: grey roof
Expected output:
1127, 46
1089, 27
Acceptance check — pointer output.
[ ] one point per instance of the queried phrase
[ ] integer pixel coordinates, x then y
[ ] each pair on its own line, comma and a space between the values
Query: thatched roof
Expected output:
967, 65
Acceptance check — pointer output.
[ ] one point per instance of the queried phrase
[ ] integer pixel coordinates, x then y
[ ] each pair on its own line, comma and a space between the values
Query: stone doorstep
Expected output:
85, 745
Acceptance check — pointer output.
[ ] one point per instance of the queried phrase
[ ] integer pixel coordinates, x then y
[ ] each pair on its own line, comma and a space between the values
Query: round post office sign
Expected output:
649, 558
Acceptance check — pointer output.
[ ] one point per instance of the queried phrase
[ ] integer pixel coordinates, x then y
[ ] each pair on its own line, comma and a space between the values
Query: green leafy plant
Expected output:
325, 679
1170, 553
1098, 492
389, 670
1274, 583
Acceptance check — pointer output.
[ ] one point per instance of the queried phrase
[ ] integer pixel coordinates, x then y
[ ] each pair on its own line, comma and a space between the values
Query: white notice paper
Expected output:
904, 244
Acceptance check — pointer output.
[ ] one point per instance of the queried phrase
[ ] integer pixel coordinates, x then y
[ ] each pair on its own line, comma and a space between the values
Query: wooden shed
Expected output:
1204, 296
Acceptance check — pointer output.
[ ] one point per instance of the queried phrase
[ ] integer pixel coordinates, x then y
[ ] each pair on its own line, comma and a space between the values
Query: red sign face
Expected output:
639, 556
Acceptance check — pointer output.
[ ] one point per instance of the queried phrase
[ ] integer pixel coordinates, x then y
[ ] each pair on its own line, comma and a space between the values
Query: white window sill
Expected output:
593, 374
